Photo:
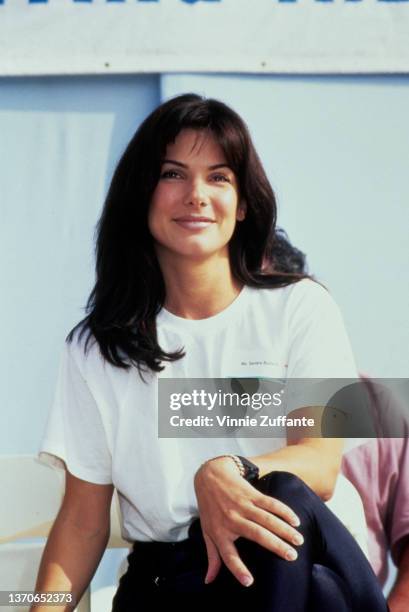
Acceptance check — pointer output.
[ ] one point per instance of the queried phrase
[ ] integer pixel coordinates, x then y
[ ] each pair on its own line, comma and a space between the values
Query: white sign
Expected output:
39, 37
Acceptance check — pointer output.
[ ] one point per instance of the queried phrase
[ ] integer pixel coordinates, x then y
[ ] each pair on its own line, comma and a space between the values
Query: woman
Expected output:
186, 288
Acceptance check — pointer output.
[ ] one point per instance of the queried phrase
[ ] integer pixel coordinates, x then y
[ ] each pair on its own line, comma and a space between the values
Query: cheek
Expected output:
228, 208
164, 198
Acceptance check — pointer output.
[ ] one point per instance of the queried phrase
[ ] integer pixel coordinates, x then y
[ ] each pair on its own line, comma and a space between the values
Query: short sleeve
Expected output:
319, 346
75, 433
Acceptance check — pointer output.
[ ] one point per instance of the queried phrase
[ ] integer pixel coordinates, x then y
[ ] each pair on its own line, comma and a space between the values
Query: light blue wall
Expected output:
61, 138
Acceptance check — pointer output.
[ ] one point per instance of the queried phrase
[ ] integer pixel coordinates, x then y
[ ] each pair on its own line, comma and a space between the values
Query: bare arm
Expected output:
398, 599
316, 461
76, 542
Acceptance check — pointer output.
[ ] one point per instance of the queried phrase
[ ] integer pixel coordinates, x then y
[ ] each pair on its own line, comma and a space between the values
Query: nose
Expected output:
197, 194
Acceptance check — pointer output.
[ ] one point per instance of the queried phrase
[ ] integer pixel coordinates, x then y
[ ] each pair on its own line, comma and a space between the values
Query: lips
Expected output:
194, 223
192, 218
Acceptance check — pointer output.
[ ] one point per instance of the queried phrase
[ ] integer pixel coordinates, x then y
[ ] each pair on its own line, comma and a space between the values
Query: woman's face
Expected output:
195, 205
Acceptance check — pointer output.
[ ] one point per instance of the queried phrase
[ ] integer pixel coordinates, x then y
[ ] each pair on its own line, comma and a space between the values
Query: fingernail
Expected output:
291, 555
298, 539
246, 580
295, 522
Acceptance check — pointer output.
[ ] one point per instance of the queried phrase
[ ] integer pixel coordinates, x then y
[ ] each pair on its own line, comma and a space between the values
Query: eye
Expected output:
221, 178
169, 174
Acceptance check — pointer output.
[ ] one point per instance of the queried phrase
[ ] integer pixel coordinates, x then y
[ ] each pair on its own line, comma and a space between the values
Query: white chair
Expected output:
31, 497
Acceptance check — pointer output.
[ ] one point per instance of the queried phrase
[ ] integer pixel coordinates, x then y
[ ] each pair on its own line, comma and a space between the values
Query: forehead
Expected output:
195, 145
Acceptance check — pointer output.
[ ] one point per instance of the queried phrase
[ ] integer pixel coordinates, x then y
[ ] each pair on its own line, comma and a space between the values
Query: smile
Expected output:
194, 224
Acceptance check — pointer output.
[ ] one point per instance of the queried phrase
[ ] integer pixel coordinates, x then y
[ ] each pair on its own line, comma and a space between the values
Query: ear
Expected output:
241, 211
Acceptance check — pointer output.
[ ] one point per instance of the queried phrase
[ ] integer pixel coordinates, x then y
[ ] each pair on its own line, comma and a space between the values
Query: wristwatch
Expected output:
251, 471
248, 470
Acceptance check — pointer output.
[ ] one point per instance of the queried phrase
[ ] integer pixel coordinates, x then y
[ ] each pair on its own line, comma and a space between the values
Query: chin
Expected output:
194, 249
197, 253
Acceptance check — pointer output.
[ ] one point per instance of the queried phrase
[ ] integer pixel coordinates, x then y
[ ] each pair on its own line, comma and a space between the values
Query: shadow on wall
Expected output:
127, 98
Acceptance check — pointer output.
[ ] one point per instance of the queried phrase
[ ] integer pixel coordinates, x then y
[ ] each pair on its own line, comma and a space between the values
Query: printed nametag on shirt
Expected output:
255, 364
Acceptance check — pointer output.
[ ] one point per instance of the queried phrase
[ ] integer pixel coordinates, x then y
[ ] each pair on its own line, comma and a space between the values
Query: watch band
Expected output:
248, 470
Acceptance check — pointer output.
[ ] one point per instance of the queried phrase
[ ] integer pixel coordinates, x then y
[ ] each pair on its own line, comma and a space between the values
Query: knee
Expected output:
283, 483
289, 489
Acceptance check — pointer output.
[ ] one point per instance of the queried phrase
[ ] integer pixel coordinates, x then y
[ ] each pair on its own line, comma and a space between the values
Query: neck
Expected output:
198, 289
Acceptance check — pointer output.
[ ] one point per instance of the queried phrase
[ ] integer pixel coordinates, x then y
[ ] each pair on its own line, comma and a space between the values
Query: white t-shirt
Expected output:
104, 420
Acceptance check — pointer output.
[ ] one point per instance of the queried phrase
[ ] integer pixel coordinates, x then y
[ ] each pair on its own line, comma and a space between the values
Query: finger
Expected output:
275, 506
275, 525
214, 561
259, 534
233, 562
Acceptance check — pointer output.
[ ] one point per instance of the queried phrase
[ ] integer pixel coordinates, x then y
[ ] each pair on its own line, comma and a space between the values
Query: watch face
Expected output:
252, 475
251, 471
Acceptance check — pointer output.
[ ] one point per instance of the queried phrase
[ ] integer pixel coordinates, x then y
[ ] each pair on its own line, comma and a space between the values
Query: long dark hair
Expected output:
129, 290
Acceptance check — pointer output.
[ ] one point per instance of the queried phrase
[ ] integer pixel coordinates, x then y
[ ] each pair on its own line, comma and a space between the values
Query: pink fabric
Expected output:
379, 469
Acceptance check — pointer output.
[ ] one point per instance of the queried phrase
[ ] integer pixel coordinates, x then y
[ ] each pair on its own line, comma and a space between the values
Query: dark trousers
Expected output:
331, 574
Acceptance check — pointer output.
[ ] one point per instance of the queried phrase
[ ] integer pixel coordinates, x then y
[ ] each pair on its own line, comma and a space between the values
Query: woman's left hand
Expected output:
229, 508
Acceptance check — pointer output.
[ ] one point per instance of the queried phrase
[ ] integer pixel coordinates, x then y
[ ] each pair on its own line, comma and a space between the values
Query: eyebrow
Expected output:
181, 165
